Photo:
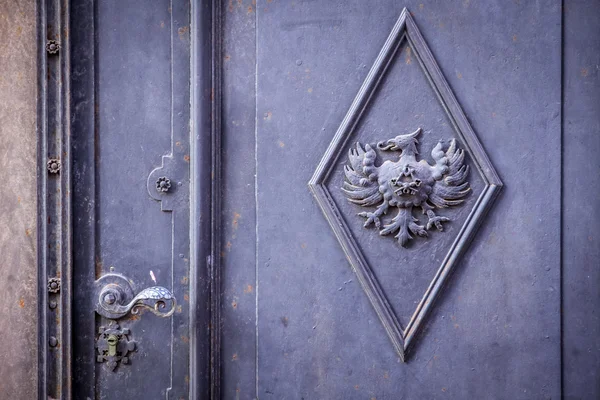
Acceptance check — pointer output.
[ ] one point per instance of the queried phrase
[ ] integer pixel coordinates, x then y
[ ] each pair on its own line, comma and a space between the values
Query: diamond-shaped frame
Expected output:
404, 29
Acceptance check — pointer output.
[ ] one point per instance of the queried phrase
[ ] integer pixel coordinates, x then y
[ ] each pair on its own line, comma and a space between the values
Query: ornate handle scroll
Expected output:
154, 298
114, 293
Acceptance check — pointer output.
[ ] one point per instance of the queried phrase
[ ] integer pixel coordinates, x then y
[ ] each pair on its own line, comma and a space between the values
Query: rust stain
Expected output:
408, 56
21, 303
227, 57
162, 24
187, 380
356, 387
303, 245
386, 375
186, 158
285, 321
268, 115
183, 32
184, 280
179, 309
248, 289
444, 389
584, 72
28, 232
459, 75
250, 9
421, 6
186, 297
234, 304
230, 7
310, 90
234, 357
236, 218
98, 266
281, 144
178, 144
514, 38
228, 246
185, 339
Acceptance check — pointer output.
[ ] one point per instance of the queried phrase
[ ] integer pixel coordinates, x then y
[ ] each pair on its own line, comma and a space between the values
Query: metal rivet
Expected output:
110, 298
54, 285
52, 305
53, 342
163, 184
53, 165
52, 46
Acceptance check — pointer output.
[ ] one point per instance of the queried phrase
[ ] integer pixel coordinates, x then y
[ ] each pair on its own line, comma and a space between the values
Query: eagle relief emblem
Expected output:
406, 184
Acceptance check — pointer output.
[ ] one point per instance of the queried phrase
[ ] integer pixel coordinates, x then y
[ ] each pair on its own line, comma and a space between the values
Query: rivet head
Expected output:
52, 46
52, 341
110, 298
54, 285
163, 184
52, 305
53, 165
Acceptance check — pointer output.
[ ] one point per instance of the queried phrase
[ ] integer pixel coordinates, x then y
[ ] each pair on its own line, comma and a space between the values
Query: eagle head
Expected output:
406, 143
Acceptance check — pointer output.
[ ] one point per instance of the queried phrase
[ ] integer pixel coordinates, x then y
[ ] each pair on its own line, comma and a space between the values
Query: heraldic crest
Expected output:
406, 184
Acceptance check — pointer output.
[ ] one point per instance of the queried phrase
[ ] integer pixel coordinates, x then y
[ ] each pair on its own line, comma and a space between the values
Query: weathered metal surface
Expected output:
581, 181
131, 104
496, 328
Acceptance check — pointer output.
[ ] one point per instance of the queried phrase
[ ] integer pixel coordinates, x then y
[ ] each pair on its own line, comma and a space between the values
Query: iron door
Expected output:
125, 312
363, 145
277, 199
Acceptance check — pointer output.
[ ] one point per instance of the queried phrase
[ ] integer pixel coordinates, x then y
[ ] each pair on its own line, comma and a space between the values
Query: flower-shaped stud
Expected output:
52, 47
54, 285
163, 184
53, 165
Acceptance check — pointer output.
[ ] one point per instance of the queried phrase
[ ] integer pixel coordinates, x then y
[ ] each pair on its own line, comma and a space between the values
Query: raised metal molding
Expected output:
404, 29
54, 200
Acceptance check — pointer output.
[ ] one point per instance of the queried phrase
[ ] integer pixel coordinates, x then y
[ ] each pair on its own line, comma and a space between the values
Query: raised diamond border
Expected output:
405, 27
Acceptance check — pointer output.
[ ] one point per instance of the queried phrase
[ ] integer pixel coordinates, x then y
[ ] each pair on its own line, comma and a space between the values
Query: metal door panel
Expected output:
140, 72
316, 333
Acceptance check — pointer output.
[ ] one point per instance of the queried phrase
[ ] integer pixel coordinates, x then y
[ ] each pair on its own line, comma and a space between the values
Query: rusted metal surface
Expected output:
18, 267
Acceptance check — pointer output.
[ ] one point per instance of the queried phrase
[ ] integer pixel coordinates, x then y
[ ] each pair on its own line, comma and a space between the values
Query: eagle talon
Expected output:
371, 218
435, 220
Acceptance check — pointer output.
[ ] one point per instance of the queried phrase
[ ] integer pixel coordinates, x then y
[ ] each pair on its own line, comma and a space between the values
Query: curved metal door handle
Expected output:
114, 292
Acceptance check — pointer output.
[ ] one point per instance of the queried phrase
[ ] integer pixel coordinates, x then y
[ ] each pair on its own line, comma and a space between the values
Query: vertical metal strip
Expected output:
83, 147
215, 293
66, 272
54, 206
204, 293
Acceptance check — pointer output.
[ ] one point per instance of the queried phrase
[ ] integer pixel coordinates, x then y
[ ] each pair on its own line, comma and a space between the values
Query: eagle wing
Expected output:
450, 173
360, 186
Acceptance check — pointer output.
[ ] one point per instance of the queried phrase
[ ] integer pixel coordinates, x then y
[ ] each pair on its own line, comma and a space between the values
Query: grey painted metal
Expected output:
131, 124
269, 306
581, 165
404, 32
291, 70
54, 202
